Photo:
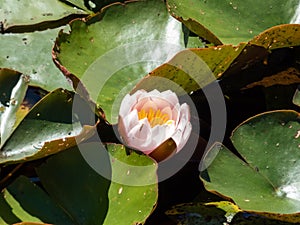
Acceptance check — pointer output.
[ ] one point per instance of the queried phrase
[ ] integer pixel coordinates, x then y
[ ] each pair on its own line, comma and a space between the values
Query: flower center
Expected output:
154, 117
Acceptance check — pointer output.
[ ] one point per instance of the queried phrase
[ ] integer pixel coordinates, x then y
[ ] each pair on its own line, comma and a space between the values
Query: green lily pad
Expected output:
132, 204
237, 67
49, 127
25, 201
279, 37
191, 69
33, 12
232, 22
83, 194
77, 194
216, 213
30, 53
197, 213
267, 181
132, 39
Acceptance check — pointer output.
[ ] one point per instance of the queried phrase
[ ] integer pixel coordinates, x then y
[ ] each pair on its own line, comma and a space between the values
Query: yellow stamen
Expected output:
154, 117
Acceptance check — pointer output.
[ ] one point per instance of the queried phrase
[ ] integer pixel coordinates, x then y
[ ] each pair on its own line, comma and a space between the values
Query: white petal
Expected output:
185, 136
128, 102
139, 137
160, 133
126, 105
183, 128
170, 96
176, 113
130, 120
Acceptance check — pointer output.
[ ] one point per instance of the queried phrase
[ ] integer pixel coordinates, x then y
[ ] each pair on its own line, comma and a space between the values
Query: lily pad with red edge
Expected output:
52, 125
30, 53
267, 182
235, 66
131, 38
36, 15
232, 22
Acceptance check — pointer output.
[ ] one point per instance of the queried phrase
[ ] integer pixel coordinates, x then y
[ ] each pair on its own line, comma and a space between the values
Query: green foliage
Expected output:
268, 144
232, 22
106, 49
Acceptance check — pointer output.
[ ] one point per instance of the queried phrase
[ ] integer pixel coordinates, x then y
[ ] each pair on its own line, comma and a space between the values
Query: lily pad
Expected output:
232, 22
279, 37
216, 213
237, 67
267, 181
81, 197
133, 204
25, 201
132, 39
34, 12
30, 53
83, 194
52, 125
191, 69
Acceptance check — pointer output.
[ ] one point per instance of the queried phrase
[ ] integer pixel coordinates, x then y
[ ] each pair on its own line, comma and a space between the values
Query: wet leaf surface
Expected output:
30, 53
34, 12
269, 144
42, 133
236, 21
117, 37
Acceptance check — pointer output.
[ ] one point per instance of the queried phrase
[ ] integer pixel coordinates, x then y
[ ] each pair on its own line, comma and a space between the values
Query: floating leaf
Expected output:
52, 125
78, 189
39, 14
191, 69
232, 22
83, 197
279, 37
214, 213
267, 183
24, 201
30, 53
197, 213
132, 203
132, 39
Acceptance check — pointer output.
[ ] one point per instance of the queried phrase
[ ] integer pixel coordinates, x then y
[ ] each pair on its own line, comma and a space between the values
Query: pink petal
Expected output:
161, 103
149, 105
167, 110
130, 120
176, 113
129, 101
183, 129
185, 136
141, 102
170, 96
160, 133
139, 137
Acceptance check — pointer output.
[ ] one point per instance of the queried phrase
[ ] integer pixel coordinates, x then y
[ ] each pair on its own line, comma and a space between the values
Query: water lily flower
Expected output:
149, 119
